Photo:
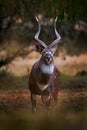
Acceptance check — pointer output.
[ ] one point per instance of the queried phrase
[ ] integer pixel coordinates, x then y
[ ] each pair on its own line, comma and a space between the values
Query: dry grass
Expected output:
70, 66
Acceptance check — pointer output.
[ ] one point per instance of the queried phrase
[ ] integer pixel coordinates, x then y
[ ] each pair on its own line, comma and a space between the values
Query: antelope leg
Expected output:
33, 101
46, 100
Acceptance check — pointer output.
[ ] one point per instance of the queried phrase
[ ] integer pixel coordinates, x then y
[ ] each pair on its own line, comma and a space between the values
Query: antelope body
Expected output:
44, 76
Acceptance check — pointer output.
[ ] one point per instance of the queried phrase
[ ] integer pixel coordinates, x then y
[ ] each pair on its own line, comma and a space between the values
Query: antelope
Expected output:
44, 76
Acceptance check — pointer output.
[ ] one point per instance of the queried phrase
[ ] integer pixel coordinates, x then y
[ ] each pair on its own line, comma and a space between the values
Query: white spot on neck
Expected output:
47, 69
42, 87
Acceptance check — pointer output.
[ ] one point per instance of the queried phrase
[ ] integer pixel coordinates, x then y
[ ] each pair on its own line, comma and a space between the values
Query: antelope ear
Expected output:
38, 48
54, 48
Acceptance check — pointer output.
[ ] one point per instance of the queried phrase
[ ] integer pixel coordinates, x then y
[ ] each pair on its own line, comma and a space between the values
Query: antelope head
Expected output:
46, 51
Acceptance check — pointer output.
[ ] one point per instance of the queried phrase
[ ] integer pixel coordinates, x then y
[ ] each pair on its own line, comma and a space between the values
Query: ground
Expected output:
15, 104
20, 99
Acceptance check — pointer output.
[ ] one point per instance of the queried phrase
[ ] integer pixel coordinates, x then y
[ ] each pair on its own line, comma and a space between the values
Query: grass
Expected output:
27, 121
73, 83
15, 106
10, 82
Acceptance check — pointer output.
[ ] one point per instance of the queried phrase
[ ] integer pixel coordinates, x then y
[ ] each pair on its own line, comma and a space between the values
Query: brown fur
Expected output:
36, 75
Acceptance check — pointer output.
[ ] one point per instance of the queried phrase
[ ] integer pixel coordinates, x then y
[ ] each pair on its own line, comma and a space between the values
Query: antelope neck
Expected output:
46, 68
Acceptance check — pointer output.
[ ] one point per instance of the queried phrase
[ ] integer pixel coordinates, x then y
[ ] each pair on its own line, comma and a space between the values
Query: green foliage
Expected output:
73, 83
10, 82
26, 120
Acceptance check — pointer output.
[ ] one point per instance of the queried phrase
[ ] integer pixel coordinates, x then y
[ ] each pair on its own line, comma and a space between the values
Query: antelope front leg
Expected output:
46, 100
55, 96
33, 101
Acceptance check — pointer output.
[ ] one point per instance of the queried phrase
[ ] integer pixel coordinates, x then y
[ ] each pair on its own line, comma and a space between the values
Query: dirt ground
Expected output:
20, 99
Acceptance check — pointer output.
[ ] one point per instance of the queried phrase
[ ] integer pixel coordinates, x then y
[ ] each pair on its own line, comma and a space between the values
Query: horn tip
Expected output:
56, 19
36, 18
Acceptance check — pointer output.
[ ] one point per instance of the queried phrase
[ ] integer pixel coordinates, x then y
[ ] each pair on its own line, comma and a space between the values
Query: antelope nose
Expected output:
48, 56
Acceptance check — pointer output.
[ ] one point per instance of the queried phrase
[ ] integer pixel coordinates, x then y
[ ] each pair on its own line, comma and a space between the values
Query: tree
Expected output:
11, 11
